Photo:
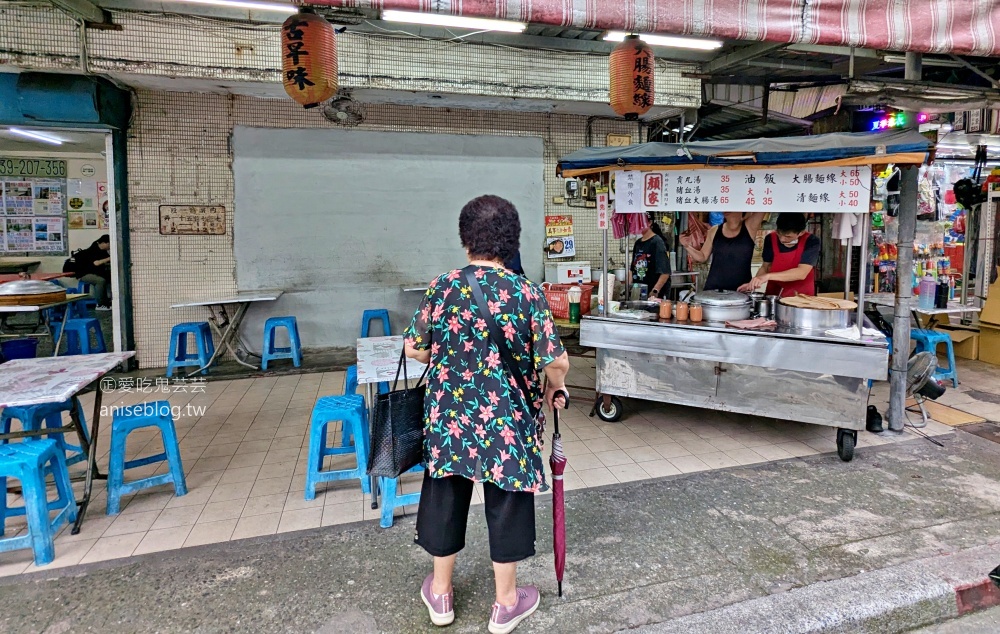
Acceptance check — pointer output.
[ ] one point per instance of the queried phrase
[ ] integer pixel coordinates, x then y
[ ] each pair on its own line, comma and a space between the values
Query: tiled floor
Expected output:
245, 459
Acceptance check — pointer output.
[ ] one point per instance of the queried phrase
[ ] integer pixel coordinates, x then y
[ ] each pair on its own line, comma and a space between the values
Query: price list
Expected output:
805, 190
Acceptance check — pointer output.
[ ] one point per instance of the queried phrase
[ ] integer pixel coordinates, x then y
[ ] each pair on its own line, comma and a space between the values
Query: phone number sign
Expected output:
805, 190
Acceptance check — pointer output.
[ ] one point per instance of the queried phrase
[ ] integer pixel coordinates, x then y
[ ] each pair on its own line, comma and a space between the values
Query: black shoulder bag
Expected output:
498, 339
397, 442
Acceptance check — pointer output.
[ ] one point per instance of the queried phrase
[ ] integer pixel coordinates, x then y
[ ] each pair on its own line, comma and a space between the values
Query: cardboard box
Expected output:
567, 272
991, 309
964, 340
989, 344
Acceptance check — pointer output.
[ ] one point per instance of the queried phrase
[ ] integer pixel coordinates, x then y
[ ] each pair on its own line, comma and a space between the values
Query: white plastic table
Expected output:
55, 380
378, 358
228, 327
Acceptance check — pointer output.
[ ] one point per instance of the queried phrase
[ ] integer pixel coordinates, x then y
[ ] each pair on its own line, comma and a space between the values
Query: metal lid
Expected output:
721, 298
29, 287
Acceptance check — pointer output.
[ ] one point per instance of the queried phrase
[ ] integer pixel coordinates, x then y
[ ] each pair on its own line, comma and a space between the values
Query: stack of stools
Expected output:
30, 462
271, 351
204, 347
33, 417
350, 410
126, 420
928, 341
78, 333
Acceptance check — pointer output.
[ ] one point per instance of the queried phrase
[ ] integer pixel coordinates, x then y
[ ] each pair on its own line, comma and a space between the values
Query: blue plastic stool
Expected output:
127, 420
32, 418
82, 307
179, 357
375, 313
928, 341
29, 462
78, 336
271, 351
350, 387
391, 501
351, 411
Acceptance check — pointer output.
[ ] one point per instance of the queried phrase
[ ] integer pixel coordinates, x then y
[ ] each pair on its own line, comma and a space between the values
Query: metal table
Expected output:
55, 380
954, 308
782, 373
18, 266
378, 358
227, 326
41, 327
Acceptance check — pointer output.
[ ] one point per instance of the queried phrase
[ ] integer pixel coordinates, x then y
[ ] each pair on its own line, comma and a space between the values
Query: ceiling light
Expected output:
667, 40
249, 6
38, 136
455, 21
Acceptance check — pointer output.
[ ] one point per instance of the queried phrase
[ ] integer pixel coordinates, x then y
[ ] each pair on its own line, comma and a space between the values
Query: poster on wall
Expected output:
102, 205
48, 234
18, 198
556, 226
628, 200
82, 194
564, 247
75, 220
20, 236
205, 220
47, 198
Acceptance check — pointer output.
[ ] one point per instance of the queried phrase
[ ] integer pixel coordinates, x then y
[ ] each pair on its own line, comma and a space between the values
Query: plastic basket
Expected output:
19, 349
557, 296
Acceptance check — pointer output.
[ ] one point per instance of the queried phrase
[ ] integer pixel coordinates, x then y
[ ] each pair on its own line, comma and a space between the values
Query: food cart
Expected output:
796, 371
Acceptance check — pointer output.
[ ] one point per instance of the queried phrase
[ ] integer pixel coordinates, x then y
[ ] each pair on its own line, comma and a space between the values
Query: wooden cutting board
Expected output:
818, 303
32, 300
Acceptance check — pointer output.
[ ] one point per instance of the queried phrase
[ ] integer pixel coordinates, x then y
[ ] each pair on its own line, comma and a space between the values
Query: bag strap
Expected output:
498, 340
406, 380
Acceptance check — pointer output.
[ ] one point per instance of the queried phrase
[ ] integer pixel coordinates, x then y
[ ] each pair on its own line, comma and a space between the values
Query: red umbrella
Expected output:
557, 461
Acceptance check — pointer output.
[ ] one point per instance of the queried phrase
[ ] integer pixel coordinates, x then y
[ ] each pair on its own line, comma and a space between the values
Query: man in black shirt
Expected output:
650, 263
93, 266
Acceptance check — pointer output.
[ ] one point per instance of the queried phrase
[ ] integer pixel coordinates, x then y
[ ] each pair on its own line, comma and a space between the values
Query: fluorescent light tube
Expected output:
667, 40
454, 21
249, 6
38, 136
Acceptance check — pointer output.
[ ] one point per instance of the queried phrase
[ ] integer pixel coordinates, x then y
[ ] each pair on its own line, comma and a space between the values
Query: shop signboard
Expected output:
800, 189
558, 226
602, 211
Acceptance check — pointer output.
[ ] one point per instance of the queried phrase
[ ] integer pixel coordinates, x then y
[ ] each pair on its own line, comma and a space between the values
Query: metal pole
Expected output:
605, 266
904, 297
862, 272
904, 274
847, 273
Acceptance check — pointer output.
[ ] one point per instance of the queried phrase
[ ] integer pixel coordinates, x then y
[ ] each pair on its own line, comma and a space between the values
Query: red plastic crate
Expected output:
558, 297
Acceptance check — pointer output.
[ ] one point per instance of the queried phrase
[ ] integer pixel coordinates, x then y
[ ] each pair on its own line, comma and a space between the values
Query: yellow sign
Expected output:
619, 140
558, 226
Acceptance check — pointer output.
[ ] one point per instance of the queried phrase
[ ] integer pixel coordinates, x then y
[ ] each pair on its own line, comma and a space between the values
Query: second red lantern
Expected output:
309, 59
632, 77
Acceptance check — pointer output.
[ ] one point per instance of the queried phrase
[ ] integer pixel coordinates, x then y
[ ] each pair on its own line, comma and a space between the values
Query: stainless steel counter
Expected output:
781, 349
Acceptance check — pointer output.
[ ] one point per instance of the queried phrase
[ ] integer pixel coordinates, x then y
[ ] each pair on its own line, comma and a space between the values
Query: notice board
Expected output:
341, 220
33, 206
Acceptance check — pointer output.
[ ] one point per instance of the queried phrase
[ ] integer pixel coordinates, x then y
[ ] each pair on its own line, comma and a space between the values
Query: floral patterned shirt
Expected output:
477, 424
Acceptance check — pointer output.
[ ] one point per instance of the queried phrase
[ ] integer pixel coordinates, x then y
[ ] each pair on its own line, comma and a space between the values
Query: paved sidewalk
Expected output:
986, 622
641, 554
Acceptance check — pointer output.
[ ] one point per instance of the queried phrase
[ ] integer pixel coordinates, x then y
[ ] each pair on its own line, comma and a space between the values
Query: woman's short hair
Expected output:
490, 228
791, 223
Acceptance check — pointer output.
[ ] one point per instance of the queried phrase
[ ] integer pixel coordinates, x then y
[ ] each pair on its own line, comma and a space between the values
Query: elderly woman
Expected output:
479, 427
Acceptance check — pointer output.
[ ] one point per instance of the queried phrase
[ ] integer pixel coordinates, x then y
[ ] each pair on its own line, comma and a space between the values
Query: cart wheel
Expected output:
611, 414
846, 440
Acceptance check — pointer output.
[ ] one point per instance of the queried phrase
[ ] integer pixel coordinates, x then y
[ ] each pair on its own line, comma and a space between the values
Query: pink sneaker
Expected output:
440, 606
504, 619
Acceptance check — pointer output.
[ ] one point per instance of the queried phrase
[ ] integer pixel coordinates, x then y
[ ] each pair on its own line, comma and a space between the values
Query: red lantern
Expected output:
309, 59
632, 74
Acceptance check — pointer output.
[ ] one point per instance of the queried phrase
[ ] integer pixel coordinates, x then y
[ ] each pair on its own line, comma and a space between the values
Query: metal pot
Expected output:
723, 306
811, 318
762, 308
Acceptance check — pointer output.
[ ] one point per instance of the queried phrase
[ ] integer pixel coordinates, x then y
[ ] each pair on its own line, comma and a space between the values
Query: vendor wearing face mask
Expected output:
790, 255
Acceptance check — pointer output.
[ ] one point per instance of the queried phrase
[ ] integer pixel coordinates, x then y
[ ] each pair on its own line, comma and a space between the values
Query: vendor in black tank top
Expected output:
730, 246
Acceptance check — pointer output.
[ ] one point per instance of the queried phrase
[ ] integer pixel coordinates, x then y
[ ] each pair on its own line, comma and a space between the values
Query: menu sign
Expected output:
805, 190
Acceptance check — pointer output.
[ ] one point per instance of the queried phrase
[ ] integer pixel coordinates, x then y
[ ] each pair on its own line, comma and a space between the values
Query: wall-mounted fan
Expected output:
344, 111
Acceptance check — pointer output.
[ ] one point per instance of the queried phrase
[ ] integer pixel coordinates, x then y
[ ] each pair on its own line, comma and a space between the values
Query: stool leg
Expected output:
296, 344
60, 475
172, 355
102, 346
388, 501
360, 453
170, 447
3, 504
317, 441
37, 511
116, 471
385, 325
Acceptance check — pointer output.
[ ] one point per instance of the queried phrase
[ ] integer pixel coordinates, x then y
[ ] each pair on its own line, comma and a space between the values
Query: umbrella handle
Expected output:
555, 410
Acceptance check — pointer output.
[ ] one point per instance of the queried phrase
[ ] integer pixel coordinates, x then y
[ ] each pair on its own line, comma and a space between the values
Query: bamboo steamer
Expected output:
30, 293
